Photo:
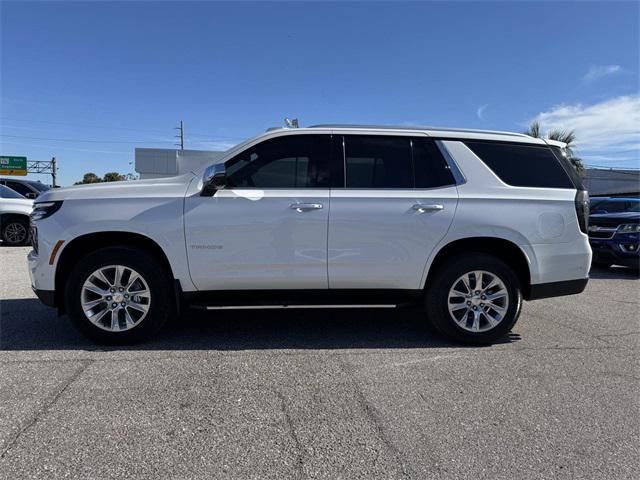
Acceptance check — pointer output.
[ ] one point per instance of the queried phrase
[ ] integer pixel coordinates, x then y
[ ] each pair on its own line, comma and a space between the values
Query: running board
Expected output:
318, 299
268, 307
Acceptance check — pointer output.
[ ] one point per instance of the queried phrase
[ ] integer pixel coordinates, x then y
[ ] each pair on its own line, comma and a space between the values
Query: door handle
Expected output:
421, 208
303, 207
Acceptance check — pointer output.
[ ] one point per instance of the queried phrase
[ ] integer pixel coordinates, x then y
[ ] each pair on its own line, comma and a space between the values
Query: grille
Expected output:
602, 233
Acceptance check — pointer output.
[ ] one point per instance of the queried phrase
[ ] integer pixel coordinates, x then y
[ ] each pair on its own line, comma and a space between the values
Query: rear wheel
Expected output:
118, 295
15, 231
474, 298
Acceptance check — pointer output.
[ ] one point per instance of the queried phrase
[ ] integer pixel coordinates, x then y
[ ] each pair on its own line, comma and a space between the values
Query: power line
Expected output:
85, 140
83, 125
207, 135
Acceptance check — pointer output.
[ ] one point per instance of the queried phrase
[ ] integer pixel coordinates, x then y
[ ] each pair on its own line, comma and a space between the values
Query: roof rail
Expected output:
406, 127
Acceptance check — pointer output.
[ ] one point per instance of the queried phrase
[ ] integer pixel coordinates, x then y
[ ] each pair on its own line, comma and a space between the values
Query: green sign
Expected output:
13, 166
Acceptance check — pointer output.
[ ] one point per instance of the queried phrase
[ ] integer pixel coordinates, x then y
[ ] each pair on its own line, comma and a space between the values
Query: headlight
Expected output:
629, 228
44, 209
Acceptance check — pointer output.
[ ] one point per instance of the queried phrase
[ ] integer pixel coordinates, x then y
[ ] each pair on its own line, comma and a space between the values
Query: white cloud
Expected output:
606, 131
599, 71
480, 111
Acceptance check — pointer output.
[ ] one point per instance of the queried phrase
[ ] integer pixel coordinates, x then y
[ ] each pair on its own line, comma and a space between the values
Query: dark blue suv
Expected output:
614, 231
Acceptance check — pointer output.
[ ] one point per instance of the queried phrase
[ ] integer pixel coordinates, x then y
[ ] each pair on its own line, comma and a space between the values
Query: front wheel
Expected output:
474, 298
118, 295
15, 231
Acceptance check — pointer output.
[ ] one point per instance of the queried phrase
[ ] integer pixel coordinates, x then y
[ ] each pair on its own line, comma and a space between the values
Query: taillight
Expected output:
582, 209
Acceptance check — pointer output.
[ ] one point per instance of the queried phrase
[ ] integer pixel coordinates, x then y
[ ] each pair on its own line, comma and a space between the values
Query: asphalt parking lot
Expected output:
323, 394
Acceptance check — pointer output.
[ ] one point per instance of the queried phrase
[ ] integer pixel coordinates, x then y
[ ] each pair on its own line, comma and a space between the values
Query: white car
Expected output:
14, 217
465, 223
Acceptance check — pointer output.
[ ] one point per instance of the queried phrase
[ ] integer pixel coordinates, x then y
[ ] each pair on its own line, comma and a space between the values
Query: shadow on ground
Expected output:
617, 273
26, 324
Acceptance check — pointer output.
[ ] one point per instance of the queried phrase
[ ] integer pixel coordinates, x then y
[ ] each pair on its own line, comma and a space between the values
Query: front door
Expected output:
398, 203
268, 228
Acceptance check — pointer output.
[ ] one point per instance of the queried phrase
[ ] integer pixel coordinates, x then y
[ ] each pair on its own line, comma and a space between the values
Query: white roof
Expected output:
438, 132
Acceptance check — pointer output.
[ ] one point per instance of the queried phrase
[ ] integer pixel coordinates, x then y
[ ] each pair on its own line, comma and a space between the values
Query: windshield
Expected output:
616, 205
6, 192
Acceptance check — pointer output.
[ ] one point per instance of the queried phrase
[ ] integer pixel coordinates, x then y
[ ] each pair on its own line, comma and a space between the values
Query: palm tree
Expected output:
560, 135
534, 130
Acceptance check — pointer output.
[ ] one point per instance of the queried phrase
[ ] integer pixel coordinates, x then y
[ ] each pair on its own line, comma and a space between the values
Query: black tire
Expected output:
161, 304
437, 297
15, 231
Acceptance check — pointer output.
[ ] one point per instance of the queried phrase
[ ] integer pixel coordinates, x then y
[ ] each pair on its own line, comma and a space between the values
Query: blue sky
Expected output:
119, 75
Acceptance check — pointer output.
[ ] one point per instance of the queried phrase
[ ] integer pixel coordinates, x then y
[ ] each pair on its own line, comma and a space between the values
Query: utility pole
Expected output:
181, 136
54, 172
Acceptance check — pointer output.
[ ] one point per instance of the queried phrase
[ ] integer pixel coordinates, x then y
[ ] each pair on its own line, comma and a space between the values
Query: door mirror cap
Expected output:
214, 179
30, 195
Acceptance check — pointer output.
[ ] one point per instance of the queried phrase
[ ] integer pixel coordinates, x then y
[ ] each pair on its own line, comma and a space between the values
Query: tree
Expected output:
534, 130
89, 177
560, 135
113, 177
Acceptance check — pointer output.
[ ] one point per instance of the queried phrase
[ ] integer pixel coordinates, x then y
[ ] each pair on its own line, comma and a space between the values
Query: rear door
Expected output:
397, 203
268, 228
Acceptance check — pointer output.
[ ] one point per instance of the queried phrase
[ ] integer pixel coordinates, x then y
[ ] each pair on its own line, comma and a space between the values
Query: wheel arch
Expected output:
85, 244
505, 250
9, 215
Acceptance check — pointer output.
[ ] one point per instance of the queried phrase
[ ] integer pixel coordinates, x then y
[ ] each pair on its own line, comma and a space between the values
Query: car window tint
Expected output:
378, 162
294, 161
522, 165
19, 187
430, 168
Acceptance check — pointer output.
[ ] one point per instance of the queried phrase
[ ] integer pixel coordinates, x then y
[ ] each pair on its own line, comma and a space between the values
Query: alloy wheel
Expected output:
115, 298
15, 233
478, 301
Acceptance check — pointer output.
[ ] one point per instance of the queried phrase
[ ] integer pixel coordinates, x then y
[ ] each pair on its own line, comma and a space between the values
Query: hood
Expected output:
152, 187
17, 204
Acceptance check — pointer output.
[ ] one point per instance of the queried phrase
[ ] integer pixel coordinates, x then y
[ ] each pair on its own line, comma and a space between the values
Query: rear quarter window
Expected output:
522, 165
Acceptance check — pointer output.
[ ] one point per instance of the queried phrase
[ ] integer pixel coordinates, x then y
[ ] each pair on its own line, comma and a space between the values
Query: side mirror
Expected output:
214, 179
31, 195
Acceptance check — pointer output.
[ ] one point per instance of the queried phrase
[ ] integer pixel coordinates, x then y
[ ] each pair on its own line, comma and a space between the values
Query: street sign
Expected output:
13, 166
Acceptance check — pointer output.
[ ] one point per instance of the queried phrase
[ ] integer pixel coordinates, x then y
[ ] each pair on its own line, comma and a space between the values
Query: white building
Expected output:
163, 162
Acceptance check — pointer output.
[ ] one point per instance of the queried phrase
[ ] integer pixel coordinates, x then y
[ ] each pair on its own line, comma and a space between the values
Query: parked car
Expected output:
14, 217
26, 188
614, 232
465, 223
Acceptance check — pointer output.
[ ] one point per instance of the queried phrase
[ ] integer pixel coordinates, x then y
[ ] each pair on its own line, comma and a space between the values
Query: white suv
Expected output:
465, 223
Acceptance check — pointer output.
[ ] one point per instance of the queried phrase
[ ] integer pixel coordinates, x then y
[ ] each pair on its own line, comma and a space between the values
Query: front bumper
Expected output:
621, 249
41, 275
48, 297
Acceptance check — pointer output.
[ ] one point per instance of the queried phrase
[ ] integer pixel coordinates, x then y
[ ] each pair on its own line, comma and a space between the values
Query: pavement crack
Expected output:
292, 432
48, 403
371, 414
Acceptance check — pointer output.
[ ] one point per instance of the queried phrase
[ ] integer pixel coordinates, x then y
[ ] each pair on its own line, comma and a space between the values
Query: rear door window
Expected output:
522, 165
19, 187
378, 161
